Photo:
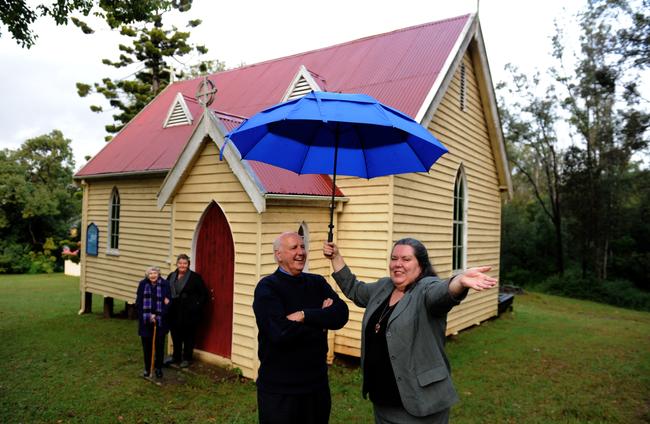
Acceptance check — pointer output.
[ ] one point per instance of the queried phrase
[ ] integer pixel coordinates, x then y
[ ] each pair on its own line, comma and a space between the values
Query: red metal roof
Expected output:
397, 68
144, 145
280, 181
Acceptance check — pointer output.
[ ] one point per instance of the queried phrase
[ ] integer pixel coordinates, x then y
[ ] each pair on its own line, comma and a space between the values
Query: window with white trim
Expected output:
114, 221
459, 222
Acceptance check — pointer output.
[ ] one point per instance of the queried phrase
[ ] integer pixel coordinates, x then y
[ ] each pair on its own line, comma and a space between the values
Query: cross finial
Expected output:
205, 92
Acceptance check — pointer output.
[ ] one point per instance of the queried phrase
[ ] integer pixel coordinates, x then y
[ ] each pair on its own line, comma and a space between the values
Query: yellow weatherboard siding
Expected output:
465, 133
144, 236
362, 234
208, 180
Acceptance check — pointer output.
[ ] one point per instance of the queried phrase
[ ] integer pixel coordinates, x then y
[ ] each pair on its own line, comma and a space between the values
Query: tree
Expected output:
635, 40
38, 201
530, 130
590, 189
602, 101
152, 49
19, 16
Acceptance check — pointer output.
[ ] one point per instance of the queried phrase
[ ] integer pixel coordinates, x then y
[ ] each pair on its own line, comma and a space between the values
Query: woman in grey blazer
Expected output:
405, 370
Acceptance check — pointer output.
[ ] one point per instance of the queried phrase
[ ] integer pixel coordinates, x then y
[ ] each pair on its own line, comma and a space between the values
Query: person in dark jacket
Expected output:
294, 310
189, 297
152, 301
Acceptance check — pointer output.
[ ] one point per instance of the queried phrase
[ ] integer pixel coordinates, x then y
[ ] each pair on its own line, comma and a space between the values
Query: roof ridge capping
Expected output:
368, 37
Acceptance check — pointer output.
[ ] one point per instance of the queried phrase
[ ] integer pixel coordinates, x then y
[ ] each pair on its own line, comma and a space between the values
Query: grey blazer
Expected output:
415, 335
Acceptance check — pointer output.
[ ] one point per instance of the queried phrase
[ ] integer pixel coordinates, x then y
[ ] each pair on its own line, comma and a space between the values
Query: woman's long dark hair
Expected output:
421, 255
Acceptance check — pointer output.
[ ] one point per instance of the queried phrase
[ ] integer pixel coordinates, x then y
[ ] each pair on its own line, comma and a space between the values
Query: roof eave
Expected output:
125, 174
446, 74
311, 197
492, 110
471, 32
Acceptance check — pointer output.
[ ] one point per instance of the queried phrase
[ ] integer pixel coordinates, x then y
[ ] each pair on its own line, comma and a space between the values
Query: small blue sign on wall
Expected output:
92, 240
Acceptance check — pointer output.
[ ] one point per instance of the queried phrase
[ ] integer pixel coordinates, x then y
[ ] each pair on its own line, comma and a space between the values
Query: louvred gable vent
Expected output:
301, 88
179, 113
303, 82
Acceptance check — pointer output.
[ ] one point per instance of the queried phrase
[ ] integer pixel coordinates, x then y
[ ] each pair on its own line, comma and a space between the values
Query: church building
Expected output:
160, 188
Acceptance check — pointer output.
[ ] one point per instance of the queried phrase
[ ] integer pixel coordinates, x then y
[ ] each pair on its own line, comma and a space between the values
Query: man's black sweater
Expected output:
293, 354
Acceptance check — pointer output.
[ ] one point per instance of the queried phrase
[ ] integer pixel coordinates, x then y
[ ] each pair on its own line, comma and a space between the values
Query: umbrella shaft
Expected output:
330, 235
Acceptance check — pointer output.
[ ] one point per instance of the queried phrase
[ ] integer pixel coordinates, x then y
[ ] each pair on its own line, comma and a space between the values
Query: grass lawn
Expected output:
552, 360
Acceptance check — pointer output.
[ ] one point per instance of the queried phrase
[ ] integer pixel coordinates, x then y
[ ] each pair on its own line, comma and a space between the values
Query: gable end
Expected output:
303, 82
178, 114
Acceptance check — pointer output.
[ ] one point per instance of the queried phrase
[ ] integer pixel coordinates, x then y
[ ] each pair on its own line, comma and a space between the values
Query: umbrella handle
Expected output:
153, 348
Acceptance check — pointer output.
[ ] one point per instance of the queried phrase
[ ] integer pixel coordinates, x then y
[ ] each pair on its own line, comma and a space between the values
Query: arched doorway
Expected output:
215, 261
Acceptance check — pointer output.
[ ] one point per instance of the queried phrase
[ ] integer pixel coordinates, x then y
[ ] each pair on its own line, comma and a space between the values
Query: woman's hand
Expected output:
153, 318
331, 252
473, 278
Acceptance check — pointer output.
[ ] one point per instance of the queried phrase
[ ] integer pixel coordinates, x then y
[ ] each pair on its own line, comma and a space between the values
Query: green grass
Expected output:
552, 360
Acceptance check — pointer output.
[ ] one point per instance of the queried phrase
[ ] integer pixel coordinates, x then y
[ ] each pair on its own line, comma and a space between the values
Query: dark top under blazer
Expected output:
415, 335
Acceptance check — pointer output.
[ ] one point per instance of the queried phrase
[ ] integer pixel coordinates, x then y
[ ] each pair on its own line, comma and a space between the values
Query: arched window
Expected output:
459, 250
114, 221
304, 232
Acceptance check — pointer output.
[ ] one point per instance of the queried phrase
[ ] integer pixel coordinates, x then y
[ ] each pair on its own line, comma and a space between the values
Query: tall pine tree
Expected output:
153, 48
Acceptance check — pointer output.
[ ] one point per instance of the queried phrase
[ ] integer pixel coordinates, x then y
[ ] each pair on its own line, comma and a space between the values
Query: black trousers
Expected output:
147, 343
302, 408
183, 339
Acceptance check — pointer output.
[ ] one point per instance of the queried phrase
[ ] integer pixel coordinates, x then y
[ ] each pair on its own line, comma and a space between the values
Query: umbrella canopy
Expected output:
335, 133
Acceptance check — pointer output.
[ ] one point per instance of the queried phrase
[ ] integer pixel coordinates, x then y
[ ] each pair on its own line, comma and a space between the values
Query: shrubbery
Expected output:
621, 293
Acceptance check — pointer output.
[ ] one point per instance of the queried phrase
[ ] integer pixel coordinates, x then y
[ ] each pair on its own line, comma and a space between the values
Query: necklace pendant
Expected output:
377, 327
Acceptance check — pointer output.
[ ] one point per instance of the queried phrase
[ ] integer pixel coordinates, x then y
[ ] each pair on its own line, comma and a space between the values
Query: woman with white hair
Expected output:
151, 303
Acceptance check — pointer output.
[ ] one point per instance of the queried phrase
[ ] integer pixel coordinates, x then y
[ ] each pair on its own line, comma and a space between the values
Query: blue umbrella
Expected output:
335, 133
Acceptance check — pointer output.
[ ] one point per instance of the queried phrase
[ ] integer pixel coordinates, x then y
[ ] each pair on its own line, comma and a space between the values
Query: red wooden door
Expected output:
215, 261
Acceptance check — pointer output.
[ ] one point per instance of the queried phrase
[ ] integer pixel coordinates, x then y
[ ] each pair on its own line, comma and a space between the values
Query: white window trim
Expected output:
463, 222
110, 250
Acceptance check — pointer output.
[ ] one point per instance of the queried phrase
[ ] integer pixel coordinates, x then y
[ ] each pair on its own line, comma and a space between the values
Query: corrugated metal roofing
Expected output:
398, 68
144, 145
280, 181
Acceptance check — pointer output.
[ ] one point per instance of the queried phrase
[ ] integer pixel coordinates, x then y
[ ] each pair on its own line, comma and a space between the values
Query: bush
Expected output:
14, 258
618, 292
43, 261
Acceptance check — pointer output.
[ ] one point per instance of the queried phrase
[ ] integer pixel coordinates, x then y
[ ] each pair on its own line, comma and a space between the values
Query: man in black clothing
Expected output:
294, 310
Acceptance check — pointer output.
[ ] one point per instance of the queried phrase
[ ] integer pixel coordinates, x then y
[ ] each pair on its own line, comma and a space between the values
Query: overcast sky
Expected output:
38, 85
